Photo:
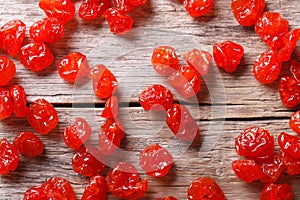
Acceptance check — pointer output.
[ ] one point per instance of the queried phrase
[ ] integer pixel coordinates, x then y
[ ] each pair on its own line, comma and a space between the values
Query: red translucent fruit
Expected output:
292, 165
91, 9
295, 69
77, 134
29, 144
73, 67
167, 198
205, 188
246, 12
137, 2
270, 26
18, 96
182, 123
295, 122
110, 136
12, 35
267, 67
35, 193
164, 60
6, 104
228, 55
63, 10
199, 60
289, 43
186, 81
289, 144
9, 157
36, 56
46, 30
272, 168
124, 6
58, 188
104, 82
247, 170
118, 22
95, 189
156, 97
111, 109
197, 8
124, 182
7, 70
276, 192
156, 161
42, 116
289, 90
254, 142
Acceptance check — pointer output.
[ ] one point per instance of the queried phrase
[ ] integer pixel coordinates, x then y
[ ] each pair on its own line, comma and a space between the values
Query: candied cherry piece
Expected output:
124, 6
95, 189
289, 90
12, 35
137, 2
167, 198
205, 188
7, 70
58, 188
295, 69
197, 8
63, 10
164, 60
289, 144
18, 96
73, 67
270, 26
35, 193
124, 182
186, 81
85, 163
289, 43
110, 136
6, 104
111, 109
156, 97
9, 157
247, 170
292, 165
182, 123
118, 22
42, 116
91, 9
156, 161
199, 60
276, 192
29, 144
254, 142
36, 56
295, 122
77, 134
272, 168
228, 55
267, 67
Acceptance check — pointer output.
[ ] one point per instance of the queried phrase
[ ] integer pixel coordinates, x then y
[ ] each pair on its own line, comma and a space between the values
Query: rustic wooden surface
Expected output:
227, 104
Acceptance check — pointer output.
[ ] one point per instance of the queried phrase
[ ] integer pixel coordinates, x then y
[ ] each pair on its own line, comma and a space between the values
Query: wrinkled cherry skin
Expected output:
156, 97
254, 142
247, 170
36, 56
124, 6
156, 161
63, 10
182, 123
58, 189
118, 22
42, 116
267, 67
9, 157
199, 60
6, 104
124, 182
77, 134
18, 96
272, 168
29, 144
295, 69
295, 122
73, 67
111, 109
246, 12
205, 188
95, 189
197, 8
228, 55
35, 193
276, 192
7, 70
186, 81
12, 35
289, 144
292, 165
91, 9
137, 2
164, 60
289, 43
289, 90
167, 198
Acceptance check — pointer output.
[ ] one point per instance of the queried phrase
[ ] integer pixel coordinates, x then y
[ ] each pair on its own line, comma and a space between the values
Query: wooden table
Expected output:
227, 103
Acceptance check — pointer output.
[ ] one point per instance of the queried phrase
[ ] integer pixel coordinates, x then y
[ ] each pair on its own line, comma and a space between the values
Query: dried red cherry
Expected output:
95, 189
289, 90
137, 2
272, 168
6, 104
276, 192
295, 122
35, 193
292, 165
91, 9
247, 170
197, 8
18, 96
289, 43
290, 144
9, 157
7, 70
167, 198
164, 60
199, 60
295, 69
111, 109
118, 22
124, 6
29, 144
58, 188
